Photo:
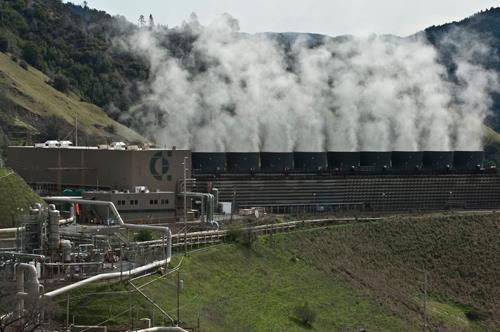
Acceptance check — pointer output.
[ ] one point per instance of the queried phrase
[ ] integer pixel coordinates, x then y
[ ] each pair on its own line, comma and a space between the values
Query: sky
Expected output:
330, 17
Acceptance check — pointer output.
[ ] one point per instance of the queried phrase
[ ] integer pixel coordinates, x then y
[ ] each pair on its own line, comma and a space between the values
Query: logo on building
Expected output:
158, 166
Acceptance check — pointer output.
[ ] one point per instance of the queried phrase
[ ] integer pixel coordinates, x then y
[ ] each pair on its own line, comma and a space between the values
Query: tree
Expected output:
142, 21
61, 83
31, 54
151, 21
4, 43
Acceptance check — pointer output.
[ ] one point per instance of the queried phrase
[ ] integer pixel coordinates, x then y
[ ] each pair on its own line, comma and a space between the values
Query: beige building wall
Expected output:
156, 169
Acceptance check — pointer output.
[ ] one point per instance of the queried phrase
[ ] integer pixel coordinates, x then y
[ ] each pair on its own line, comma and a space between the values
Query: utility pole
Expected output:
76, 129
185, 205
425, 301
424, 309
180, 285
67, 311
233, 203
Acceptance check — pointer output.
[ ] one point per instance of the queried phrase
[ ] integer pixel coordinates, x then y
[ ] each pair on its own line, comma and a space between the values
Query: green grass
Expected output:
29, 90
353, 276
452, 315
231, 288
15, 198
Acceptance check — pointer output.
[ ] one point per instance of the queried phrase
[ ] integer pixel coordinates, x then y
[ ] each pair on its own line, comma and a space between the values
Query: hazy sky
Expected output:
331, 17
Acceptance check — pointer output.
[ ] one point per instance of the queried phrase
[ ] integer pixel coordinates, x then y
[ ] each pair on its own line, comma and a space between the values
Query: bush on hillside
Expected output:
4, 43
245, 237
110, 128
60, 83
304, 314
31, 54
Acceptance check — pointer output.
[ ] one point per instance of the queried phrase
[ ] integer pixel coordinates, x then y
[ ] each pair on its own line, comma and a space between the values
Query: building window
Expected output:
136, 202
131, 202
150, 202
156, 201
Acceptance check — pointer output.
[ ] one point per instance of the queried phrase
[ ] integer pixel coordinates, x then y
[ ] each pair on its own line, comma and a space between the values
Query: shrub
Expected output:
23, 64
304, 314
60, 83
143, 235
110, 128
31, 54
4, 43
242, 236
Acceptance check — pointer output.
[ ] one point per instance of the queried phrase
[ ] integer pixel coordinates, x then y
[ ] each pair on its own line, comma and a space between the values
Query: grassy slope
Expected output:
30, 91
15, 195
353, 276
236, 289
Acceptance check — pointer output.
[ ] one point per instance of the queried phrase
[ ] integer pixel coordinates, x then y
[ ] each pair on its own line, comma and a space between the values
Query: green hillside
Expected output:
15, 198
32, 107
353, 276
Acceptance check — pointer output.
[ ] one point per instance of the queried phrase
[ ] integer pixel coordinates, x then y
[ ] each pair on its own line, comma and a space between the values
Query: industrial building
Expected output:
299, 182
281, 182
50, 169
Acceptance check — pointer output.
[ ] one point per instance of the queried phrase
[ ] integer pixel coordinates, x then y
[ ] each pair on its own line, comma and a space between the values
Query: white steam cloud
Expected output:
239, 92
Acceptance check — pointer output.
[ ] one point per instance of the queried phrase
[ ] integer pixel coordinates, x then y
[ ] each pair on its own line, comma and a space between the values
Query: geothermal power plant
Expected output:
279, 182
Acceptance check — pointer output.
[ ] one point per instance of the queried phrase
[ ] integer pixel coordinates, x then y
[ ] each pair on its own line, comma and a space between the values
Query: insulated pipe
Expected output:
210, 202
71, 218
105, 276
166, 230
12, 230
21, 255
32, 291
163, 328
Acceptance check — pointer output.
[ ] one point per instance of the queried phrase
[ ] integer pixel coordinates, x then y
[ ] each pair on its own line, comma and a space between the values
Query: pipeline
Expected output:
104, 276
210, 202
113, 209
163, 328
33, 289
12, 230
72, 217
22, 255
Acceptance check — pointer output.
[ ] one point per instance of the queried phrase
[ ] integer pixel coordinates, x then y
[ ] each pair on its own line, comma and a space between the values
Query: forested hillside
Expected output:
76, 47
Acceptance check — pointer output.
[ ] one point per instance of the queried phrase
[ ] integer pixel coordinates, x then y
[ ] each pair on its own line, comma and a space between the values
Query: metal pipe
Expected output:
210, 209
12, 230
22, 255
163, 328
111, 205
71, 218
105, 276
112, 275
32, 291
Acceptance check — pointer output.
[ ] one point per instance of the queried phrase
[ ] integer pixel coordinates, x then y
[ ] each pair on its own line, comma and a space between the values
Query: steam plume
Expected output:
229, 91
